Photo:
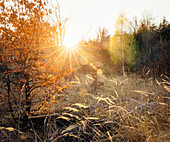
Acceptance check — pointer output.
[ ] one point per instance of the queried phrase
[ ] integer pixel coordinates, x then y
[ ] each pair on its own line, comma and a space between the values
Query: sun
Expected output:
70, 43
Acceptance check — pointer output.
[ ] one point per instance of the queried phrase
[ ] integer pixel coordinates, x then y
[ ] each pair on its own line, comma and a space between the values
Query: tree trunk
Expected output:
9, 94
28, 104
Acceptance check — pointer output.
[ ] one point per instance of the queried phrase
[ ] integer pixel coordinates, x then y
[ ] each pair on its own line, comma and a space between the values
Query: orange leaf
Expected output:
1, 4
26, 113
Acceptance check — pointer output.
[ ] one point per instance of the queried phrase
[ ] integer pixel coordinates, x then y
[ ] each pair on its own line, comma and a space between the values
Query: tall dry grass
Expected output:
136, 109
119, 109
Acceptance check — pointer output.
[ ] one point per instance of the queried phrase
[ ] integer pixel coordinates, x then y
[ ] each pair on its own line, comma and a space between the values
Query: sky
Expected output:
85, 16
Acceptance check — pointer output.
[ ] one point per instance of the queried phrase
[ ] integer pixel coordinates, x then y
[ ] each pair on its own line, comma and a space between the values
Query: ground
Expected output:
101, 105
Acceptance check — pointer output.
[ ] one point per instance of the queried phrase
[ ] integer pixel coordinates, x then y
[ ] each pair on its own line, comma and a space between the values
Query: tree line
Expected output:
138, 44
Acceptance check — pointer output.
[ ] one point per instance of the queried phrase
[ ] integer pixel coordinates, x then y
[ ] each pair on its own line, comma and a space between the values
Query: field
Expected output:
100, 108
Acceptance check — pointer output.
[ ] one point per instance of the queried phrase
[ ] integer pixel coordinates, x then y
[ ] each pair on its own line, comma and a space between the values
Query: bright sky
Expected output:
87, 15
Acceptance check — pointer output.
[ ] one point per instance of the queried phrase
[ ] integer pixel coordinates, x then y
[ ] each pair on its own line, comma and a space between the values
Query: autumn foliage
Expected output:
29, 69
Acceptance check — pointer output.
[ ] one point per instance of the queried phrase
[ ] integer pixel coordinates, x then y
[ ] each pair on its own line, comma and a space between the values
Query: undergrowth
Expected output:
111, 109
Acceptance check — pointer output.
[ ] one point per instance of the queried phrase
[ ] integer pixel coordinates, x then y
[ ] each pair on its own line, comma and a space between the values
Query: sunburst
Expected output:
70, 56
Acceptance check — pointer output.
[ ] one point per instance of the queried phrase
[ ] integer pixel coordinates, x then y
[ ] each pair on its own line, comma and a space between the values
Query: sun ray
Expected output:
76, 58
83, 55
68, 57
70, 60
55, 60
64, 60
57, 50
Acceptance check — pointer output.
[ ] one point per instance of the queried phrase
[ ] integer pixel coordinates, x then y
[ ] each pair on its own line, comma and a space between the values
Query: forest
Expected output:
110, 88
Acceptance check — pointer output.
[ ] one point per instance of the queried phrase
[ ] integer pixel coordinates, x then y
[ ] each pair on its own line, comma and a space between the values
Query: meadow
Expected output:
112, 108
